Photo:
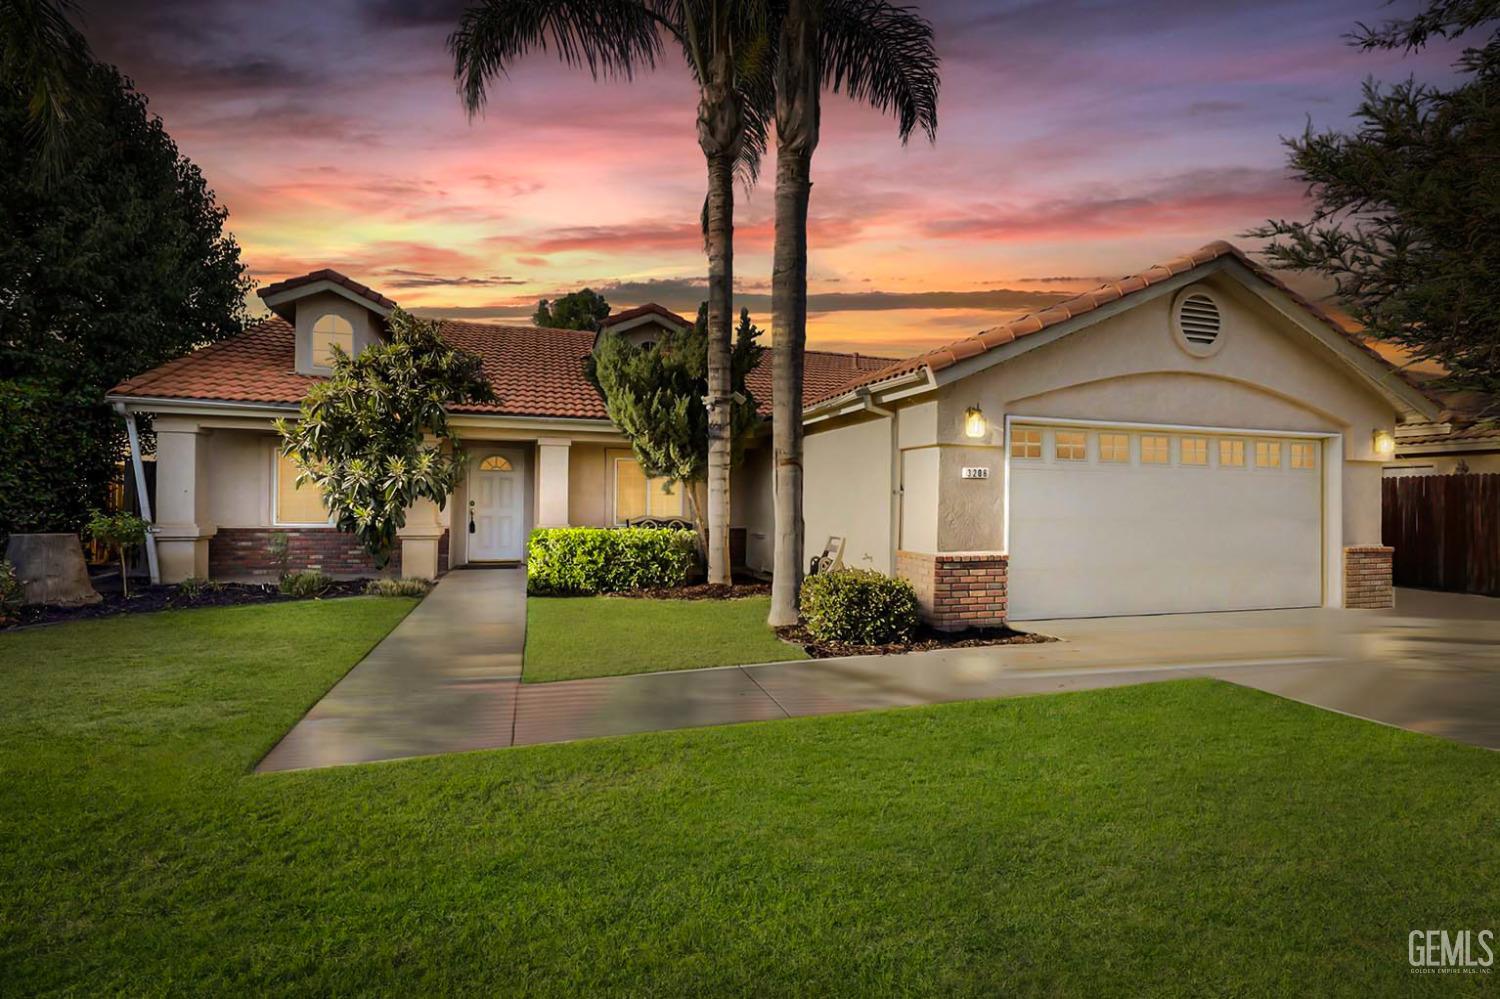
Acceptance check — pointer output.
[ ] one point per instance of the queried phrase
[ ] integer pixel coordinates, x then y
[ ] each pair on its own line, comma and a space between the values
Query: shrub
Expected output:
12, 593
279, 547
584, 560
192, 588
859, 606
413, 586
307, 583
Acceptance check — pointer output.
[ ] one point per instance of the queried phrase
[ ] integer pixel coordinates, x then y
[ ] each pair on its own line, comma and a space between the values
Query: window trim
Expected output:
312, 339
275, 518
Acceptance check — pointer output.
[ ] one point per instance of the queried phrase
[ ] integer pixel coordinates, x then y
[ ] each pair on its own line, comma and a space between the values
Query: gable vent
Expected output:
1199, 318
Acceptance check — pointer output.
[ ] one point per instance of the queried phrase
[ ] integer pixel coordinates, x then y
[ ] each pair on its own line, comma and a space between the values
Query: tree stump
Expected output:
52, 569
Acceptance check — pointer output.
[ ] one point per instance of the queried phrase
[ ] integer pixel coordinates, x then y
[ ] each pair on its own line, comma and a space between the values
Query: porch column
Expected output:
552, 481
182, 524
419, 540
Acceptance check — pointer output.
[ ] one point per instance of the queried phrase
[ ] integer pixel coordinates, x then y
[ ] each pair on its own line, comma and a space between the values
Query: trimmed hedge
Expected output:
566, 561
859, 606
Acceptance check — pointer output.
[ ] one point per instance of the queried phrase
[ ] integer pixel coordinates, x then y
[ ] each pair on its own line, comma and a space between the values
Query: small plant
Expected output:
279, 547
584, 560
413, 586
307, 583
193, 588
122, 532
12, 593
859, 606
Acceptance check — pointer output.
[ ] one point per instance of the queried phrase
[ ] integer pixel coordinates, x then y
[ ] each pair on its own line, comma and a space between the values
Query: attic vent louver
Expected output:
1198, 318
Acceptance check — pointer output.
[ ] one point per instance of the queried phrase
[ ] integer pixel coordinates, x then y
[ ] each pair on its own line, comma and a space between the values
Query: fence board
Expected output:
1446, 531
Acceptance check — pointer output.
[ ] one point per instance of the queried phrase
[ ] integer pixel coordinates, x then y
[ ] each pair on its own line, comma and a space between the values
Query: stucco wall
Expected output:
1444, 464
586, 486
752, 502
1129, 367
847, 491
239, 477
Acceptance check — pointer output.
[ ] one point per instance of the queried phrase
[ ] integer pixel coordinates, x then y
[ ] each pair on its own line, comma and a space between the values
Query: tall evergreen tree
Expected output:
655, 396
117, 265
1406, 216
584, 309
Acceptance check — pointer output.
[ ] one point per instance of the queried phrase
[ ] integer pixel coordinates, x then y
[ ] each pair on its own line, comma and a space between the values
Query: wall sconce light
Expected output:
1384, 443
975, 425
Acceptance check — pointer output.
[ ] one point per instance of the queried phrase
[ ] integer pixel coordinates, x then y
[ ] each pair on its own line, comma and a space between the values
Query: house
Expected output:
1192, 438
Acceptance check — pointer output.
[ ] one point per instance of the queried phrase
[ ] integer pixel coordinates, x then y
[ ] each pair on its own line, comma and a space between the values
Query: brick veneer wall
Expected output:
1367, 576
246, 551
957, 590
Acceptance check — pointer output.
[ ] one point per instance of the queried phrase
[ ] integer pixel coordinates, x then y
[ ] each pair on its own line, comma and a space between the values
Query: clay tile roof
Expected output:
536, 372
327, 274
946, 356
649, 309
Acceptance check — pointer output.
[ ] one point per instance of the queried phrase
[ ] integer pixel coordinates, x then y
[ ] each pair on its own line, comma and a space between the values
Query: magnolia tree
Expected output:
655, 396
374, 437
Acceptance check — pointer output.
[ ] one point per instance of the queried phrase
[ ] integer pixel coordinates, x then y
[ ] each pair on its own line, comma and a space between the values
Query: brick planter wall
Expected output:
246, 551
1367, 576
957, 590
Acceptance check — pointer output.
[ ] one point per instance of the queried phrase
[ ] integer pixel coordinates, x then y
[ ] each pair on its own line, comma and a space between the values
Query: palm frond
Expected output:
46, 59
882, 55
608, 37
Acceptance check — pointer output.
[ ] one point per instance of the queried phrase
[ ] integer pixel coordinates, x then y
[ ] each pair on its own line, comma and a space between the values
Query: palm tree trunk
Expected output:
720, 304
797, 112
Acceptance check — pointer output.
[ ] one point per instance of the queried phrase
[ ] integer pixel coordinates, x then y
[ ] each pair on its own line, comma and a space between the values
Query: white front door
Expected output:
496, 508
1131, 520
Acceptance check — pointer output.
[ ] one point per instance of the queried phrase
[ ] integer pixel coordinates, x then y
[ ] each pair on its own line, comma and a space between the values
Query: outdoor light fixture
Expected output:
974, 423
1384, 443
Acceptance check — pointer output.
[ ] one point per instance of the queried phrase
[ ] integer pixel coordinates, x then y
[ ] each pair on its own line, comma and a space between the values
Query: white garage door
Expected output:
1131, 521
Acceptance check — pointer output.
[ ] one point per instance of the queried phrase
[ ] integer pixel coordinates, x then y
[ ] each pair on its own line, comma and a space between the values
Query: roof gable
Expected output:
994, 345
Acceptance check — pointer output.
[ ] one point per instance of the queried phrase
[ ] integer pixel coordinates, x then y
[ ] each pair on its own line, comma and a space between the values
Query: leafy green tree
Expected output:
121, 532
882, 55
655, 396
1406, 217
374, 436
726, 45
577, 310
118, 265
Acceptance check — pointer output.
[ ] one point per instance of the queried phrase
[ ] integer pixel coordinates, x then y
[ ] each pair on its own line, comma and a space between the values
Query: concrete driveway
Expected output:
447, 678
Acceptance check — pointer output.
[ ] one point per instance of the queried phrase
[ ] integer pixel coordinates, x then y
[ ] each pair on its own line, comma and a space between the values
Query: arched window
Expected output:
328, 331
495, 463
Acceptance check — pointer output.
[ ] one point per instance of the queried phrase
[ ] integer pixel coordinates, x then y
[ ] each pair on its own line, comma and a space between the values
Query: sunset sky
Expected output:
1077, 141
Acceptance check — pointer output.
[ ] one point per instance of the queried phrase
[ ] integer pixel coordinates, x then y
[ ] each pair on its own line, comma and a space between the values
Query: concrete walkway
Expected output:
447, 678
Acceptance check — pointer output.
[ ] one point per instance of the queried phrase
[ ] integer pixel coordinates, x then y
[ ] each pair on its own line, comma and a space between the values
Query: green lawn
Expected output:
1187, 838
568, 638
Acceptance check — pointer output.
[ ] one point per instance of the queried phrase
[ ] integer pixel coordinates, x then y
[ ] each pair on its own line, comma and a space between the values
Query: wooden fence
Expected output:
1446, 531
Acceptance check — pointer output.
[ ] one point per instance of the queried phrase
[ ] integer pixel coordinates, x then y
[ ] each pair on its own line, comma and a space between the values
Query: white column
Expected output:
419, 540
182, 490
552, 481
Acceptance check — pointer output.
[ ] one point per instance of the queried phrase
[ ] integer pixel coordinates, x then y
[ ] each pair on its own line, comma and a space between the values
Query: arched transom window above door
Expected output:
495, 463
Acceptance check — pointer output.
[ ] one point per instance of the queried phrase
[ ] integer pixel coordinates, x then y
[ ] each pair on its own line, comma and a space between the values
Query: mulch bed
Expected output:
146, 599
699, 591
925, 640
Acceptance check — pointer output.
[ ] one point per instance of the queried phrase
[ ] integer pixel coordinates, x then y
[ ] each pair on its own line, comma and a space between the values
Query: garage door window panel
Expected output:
1193, 450
1304, 455
1267, 454
1231, 454
1114, 448
1070, 445
1156, 449
1025, 443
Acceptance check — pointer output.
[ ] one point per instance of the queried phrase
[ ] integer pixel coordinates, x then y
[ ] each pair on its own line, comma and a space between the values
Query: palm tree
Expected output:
879, 54
725, 44
45, 60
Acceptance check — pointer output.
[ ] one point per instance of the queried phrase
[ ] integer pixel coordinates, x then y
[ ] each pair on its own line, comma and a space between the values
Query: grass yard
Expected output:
568, 638
1185, 838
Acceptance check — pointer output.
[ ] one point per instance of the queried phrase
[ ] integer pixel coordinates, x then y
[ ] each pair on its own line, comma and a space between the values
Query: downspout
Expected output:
134, 436
867, 400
